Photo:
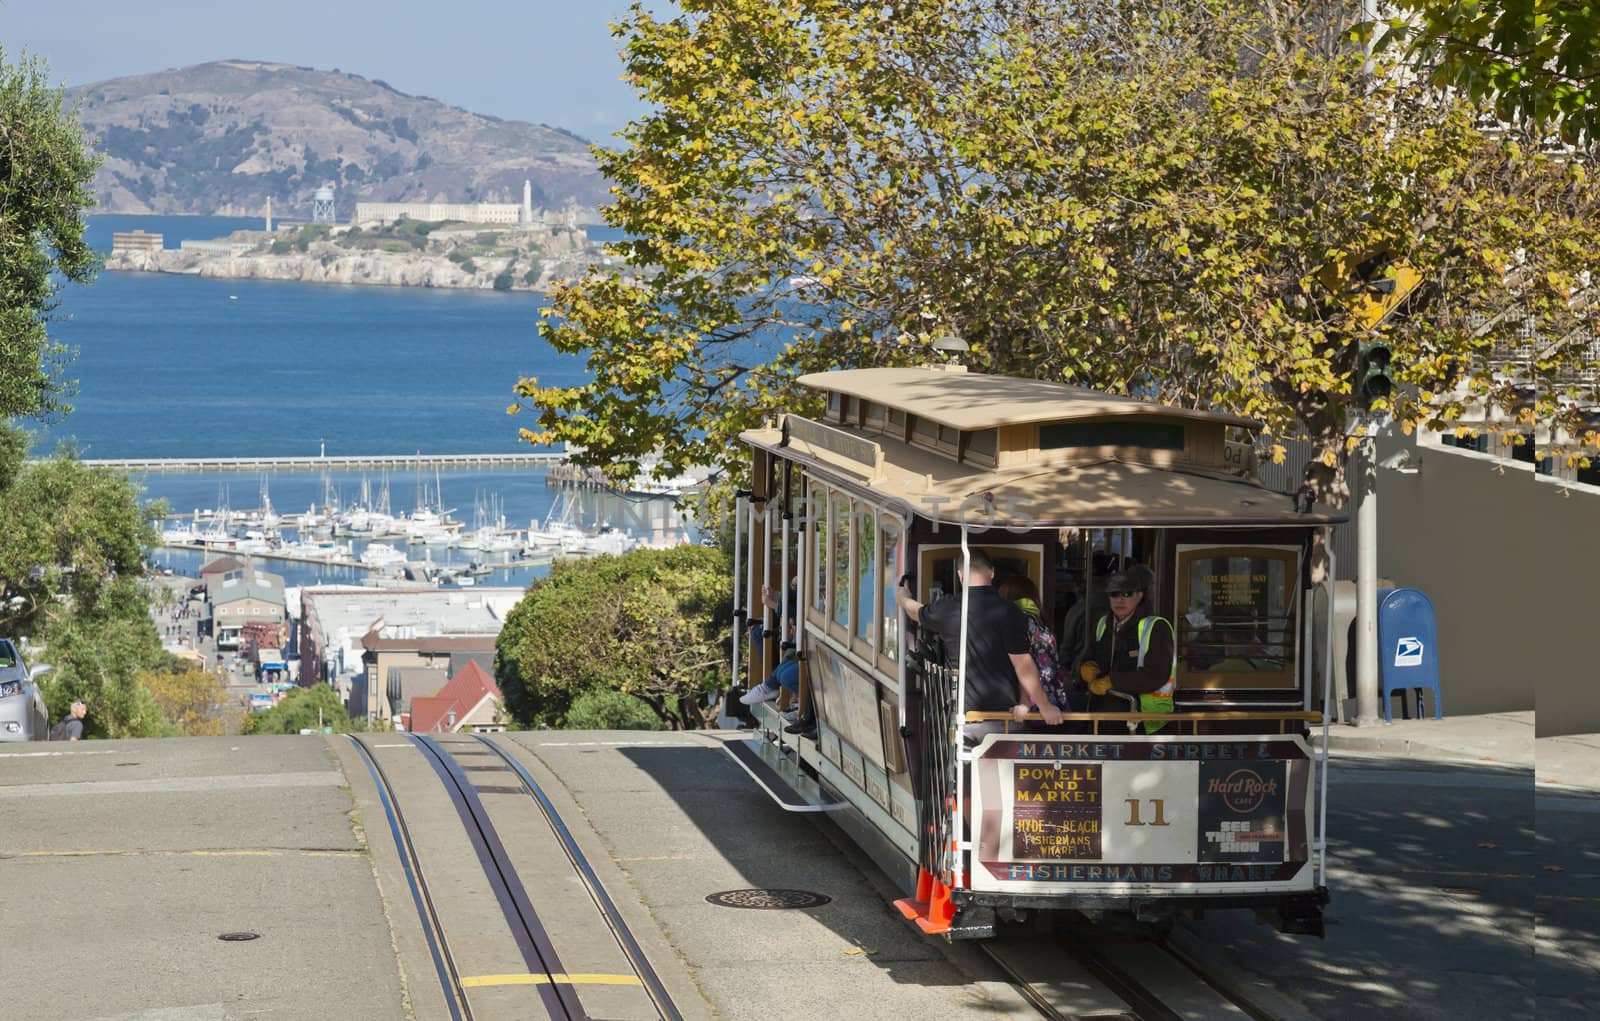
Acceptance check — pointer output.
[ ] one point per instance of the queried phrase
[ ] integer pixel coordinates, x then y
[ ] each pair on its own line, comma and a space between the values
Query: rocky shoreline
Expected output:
516, 260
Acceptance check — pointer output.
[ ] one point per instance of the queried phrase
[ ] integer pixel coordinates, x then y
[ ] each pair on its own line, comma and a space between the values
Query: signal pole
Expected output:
1373, 383
1367, 582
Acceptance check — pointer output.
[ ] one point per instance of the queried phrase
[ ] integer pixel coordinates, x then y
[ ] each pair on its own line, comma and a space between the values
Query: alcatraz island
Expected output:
483, 245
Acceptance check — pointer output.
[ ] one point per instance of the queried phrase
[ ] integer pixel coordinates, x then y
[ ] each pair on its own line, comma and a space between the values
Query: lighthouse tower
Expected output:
527, 203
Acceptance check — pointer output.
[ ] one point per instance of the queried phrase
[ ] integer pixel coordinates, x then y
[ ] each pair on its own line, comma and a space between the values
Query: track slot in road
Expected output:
1075, 980
539, 915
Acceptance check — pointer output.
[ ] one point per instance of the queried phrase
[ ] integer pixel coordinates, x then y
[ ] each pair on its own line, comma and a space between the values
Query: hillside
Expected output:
219, 138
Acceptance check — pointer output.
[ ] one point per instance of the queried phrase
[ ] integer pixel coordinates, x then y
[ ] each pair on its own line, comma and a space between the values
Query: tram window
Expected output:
872, 416
889, 577
817, 548
1236, 616
840, 544
979, 447
835, 403
1148, 435
866, 572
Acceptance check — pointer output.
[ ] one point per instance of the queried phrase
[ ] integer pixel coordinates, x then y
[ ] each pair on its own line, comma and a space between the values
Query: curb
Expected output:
1411, 748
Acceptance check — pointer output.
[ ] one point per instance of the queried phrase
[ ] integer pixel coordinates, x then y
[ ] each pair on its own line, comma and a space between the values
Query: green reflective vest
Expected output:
1160, 700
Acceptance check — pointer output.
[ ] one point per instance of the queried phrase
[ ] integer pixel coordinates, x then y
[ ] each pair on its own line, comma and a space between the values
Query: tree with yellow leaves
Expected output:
1141, 197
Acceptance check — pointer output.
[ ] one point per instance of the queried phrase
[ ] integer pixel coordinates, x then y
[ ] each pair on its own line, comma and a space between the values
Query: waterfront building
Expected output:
242, 597
522, 213
135, 241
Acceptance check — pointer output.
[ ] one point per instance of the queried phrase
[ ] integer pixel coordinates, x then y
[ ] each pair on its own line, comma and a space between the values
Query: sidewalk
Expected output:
1571, 761
1501, 739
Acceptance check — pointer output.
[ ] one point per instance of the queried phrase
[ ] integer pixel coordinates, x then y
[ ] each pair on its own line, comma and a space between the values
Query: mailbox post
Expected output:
1408, 648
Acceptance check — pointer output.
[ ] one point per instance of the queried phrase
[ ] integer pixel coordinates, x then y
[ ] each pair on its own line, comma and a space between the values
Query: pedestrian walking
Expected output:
71, 727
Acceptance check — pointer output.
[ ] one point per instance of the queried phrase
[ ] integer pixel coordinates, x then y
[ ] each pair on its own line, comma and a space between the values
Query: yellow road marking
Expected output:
474, 981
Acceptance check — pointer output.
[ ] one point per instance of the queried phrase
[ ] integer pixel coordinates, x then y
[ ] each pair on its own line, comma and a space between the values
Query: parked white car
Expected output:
23, 716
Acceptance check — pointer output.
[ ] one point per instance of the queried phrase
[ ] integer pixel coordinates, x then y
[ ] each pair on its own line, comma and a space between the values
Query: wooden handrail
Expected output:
1289, 714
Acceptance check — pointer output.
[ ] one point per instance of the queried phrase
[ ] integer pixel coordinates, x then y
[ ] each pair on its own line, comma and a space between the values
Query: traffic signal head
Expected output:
1373, 380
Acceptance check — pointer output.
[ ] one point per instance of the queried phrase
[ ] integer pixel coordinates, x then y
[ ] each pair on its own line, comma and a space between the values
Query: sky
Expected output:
548, 61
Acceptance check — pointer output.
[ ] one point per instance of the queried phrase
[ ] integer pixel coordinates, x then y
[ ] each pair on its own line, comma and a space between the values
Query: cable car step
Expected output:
780, 779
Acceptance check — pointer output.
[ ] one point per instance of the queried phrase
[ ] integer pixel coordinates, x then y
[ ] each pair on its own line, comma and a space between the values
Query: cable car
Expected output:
1212, 797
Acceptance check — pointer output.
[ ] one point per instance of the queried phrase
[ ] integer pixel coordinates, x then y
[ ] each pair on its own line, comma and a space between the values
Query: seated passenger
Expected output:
786, 675
1133, 651
1020, 589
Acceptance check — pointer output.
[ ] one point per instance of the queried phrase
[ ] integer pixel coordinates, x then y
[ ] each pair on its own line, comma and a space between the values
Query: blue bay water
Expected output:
174, 366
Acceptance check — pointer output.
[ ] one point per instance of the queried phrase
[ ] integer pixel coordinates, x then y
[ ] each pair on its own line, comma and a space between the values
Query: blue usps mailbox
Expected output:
1408, 648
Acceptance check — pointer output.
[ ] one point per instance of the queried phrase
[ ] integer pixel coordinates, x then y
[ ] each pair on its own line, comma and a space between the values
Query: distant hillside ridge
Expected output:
219, 138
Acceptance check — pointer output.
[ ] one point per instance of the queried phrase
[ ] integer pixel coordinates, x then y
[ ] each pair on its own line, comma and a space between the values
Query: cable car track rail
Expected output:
444, 965
557, 988
1069, 981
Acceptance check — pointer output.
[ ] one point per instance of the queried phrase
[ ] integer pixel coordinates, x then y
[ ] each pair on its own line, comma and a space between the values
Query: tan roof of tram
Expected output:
972, 400
1101, 492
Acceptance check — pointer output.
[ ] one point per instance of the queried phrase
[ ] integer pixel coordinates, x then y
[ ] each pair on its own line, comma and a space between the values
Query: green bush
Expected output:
468, 266
504, 281
282, 247
609, 710
299, 711
651, 624
532, 276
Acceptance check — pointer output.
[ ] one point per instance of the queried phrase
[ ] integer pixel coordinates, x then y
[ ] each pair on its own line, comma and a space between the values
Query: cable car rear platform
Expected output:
790, 770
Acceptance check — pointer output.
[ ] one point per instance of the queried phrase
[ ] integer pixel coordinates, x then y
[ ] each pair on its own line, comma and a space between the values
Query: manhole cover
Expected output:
768, 899
238, 937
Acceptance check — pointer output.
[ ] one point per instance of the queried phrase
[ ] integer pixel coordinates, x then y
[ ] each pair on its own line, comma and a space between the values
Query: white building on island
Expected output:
521, 214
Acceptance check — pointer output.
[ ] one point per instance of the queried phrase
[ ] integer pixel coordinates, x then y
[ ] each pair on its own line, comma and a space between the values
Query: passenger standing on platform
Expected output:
1021, 590
1000, 670
1133, 650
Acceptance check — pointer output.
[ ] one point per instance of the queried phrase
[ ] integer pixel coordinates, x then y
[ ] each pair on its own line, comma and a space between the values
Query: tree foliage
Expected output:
1536, 61
1137, 197
46, 174
191, 699
71, 571
651, 624
302, 709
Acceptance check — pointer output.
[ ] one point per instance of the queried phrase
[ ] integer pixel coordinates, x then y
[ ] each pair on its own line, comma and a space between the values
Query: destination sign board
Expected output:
837, 441
1144, 812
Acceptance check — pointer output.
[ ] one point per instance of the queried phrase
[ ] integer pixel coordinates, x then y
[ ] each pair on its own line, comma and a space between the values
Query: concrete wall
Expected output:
1512, 566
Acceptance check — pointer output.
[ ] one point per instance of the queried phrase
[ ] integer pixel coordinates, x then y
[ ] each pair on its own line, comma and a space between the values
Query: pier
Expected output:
330, 462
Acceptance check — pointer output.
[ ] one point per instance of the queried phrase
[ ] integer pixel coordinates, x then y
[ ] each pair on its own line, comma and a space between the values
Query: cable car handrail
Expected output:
1300, 715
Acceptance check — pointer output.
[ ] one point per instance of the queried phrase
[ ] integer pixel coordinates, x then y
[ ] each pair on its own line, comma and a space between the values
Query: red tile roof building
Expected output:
469, 699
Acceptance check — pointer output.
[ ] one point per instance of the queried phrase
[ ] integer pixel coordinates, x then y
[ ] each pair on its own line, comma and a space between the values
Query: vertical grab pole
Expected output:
961, 709
1327, 708
783, 581
900, 624
738, 575
766, 568
783, 570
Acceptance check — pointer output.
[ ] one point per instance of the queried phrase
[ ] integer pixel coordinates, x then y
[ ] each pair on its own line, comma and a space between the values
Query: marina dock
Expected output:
330, 462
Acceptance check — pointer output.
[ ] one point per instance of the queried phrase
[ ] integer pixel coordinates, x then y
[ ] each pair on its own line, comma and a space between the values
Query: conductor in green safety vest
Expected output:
1134, 652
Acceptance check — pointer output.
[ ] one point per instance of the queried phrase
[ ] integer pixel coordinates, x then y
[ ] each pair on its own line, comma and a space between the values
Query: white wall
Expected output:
1512, 566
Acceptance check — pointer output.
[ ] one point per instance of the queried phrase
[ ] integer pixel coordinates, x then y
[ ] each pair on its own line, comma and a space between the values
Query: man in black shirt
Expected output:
999, 658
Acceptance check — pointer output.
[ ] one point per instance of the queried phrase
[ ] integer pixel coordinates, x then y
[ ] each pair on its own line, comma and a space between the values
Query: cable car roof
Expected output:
1101, 492
965, 400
